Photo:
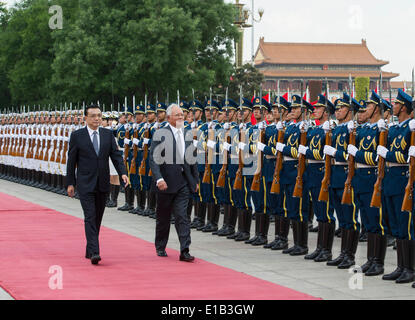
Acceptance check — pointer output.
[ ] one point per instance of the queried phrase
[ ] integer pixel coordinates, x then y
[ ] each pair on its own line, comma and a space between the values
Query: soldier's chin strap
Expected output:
374, 110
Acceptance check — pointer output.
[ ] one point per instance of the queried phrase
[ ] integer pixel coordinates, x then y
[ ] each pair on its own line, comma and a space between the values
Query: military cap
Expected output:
196, 105
129, 111
184, 106
323, 101
261, 103
229, 104
212, 104
387, 105
358, 106
282, 103
161, 107
246, 104
139, 109
151, 108
374, 98
404, 98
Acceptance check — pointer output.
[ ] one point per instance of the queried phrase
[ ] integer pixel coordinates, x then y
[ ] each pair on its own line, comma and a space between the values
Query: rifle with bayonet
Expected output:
376, 200
407, 202
143, 167
209, 152
135, 147
298, 188
256, 181
222, 173
347, 193
325, 183
276, 186
237, 185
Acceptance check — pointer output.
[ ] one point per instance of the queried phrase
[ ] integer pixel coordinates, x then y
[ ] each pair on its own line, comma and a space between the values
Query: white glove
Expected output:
211, 144
227, 126
227, 146
280, 126
382, 151
326, 126
351, 149
211, 125
382, 125
412, 125
302, 149
280, 146
262, 126
241, 145
350, 126
304, 126
260, 146
241, 126
146, 141
329, 150
136, 141
127, 141
127, 127
411, 152
195, 143
193, 125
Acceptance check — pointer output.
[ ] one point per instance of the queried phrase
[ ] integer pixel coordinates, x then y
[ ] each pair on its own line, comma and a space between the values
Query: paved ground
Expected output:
294, 272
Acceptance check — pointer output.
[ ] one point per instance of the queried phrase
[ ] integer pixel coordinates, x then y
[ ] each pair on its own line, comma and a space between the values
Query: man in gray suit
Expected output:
175, 174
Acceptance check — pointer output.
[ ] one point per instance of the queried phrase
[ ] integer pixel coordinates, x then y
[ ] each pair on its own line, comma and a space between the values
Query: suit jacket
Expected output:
164, 165
92, 169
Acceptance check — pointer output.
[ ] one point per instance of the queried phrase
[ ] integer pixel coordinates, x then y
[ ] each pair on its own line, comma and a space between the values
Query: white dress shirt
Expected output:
181, 141
91, 134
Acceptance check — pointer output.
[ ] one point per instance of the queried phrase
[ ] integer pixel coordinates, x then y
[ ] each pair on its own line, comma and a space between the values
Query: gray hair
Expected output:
170, 108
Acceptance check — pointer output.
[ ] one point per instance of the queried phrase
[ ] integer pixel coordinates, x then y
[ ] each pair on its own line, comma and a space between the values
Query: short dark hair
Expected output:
92, 106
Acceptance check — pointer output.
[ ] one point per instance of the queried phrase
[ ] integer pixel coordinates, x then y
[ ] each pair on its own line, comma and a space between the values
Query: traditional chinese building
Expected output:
290, 62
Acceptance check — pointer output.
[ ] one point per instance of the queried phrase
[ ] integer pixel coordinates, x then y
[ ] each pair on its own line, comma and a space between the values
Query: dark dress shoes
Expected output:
162, 253
185, 256
95, 258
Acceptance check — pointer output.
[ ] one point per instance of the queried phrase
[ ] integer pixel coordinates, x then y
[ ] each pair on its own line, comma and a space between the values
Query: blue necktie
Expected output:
95, 142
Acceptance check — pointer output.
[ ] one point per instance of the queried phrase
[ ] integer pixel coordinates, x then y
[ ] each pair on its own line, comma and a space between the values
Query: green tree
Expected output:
250, 79
362, 88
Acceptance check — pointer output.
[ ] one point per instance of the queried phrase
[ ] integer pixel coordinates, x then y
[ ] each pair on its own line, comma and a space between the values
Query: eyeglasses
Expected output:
178, 115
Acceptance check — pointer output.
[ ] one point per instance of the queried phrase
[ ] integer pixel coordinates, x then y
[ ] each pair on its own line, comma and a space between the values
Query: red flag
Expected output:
285, 96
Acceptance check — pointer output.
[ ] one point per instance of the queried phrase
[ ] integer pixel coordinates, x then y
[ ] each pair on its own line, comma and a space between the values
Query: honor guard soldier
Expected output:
313, 151
241, 192
365, 155
256, 132
213, 195
124, 142
296, 208
228, 170
199, 204
347, 215
137, 155
396, 178
280, 109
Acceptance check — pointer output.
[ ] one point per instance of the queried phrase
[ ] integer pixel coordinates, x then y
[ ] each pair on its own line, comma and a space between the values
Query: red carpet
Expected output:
34, 238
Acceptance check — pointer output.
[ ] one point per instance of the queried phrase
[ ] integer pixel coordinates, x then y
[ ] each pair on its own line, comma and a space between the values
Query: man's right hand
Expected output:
162, 185
71, 191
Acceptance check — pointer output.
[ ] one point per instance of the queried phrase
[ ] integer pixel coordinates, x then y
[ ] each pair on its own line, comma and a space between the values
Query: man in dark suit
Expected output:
175, 174
89, 151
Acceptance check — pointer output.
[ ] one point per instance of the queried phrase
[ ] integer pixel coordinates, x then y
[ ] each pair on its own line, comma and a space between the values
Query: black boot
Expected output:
226, 216
114, 195
370, 251
146, 211
399, 256
210, 213
194, 223
142, 205
343, 246
363, 235
282, 242
246, 225
240, 217
302, 248
214, 218
263, 230
407, 275
377, 267
137, 196
328, 237
277, 232
233, 215
352, 240
253, 239
202, 216
295, 226
126, 206
316, 252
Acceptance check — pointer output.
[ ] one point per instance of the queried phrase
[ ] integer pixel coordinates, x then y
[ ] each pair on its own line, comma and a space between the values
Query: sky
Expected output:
385, 24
